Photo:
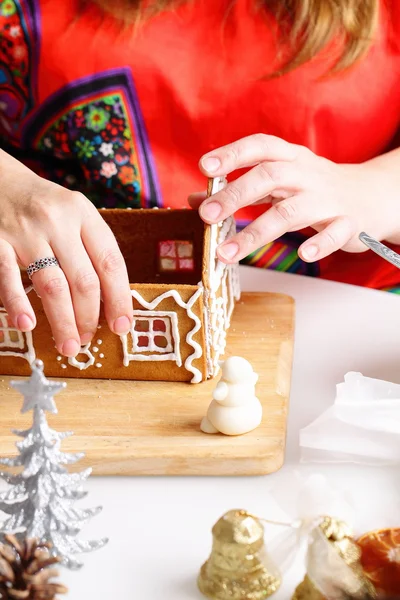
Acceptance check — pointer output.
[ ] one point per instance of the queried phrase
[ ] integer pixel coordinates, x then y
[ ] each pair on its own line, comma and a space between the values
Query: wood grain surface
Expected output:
152, 428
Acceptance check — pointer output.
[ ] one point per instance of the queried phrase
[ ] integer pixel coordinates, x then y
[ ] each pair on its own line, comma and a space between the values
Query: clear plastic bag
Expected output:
362, 426
315, 498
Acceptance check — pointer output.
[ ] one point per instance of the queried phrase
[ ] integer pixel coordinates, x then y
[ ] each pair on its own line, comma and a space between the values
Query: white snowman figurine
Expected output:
235, 409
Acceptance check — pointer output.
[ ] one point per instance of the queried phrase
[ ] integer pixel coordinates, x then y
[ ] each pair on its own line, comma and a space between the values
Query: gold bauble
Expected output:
307, 591
356, 587
239, 567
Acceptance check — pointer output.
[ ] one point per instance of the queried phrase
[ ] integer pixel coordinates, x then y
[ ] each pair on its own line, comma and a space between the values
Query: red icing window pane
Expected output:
141, 325
186, 264
143, 341
9, 322
167, 249
159, 325
160, 341
176, 255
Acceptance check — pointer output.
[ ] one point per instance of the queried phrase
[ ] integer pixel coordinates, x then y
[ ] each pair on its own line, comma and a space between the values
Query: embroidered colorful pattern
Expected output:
19, 48
282, 255
97, 122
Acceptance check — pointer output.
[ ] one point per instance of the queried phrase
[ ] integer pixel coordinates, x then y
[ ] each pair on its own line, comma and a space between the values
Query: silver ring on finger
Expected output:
41, 263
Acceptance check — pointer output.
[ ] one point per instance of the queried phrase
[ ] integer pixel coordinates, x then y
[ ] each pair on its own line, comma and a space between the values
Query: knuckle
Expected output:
121, 306
111, 261
13, 302
54, 287
265, 142
51, 211
250, 236
77, 199
233, 154
64, 328
262, 139
302, 153
277, 172
232, 196
7, 263
88, 325
286, 210
87, 283
268, 172
330, 239
43, 212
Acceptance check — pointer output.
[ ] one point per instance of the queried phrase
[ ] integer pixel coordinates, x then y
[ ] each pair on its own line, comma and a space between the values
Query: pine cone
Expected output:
25, 572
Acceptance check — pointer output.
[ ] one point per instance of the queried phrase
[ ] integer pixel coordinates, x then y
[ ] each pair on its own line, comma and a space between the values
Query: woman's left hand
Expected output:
304, 190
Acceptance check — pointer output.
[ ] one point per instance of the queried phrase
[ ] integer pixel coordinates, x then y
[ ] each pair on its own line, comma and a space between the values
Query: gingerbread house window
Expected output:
154, 336
10, 338
175, 256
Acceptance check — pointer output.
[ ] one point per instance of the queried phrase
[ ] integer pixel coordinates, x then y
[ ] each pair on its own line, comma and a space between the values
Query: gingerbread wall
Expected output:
181, 304
139, 232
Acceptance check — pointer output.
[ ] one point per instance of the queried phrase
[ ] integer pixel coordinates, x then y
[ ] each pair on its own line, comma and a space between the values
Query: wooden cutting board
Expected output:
152, 428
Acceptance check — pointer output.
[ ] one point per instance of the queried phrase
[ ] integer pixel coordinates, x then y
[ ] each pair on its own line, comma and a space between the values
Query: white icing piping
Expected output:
151, 316
170, 352
217, 306
223, 278
150, 306
82, 365
198, 350
208, 332
23, 339
218, 184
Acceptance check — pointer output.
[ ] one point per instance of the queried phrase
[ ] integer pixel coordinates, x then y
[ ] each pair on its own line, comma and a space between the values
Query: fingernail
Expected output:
25, 323
71, 348
211, 164
310, 252
122, 325
228, 250
86, 338
211, 211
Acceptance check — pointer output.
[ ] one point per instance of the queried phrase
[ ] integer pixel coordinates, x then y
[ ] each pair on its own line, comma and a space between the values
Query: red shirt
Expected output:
125, 116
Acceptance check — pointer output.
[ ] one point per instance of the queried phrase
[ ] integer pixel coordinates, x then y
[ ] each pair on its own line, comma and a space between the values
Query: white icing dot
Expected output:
101, 355
59, 358
98, 326
99, 365
95, 349
99, 342
63, 366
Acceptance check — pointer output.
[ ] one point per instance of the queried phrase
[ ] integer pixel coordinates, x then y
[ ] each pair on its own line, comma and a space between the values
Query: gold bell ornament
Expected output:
239, 567
334, 570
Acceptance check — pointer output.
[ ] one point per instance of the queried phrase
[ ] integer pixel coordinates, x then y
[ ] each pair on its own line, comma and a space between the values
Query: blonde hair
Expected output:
308, 25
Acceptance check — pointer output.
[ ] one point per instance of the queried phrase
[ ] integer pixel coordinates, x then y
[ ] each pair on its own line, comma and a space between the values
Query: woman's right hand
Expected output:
40, 219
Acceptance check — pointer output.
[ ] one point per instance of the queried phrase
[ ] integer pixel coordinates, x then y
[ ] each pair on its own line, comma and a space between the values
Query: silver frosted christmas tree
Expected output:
41, 498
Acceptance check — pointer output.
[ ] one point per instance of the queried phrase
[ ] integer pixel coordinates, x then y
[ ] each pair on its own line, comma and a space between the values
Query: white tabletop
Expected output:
159, 528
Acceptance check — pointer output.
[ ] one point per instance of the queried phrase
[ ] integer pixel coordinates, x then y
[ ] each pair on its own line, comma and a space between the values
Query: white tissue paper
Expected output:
315, 499
362, 426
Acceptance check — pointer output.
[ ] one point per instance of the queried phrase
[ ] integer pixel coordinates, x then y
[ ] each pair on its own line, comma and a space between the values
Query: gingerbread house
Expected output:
183, 298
